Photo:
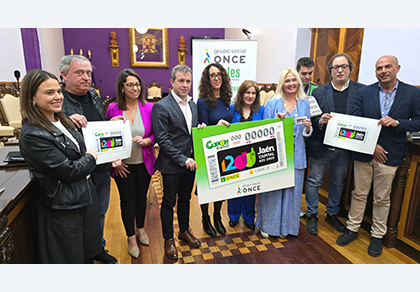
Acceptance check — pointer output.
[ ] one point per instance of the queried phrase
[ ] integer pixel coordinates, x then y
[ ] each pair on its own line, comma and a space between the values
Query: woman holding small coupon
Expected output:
246, 108
132, 175
66, 204
278, 211
213, 109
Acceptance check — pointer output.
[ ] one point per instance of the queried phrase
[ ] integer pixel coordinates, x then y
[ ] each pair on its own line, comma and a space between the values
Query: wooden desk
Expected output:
17, 223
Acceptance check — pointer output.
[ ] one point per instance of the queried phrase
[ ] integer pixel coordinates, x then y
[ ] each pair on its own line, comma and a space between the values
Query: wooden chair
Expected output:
154, 90
10, 112
106, 102
269, 96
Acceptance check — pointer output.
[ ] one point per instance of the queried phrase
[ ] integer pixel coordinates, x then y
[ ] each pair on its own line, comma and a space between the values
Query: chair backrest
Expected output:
11, 110
262, 97
269, 96
154, 90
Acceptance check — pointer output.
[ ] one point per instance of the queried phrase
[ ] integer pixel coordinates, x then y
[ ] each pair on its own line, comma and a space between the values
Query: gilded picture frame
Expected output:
149, 49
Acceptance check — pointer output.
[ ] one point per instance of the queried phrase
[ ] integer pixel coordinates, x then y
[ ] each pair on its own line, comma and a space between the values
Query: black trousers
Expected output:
173, 185
133, 196
69, 236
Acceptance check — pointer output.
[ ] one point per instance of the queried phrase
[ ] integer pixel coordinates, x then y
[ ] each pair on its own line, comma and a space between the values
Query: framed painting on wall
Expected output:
149, 47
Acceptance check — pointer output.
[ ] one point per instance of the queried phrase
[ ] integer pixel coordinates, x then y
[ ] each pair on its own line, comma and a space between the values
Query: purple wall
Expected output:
97, 40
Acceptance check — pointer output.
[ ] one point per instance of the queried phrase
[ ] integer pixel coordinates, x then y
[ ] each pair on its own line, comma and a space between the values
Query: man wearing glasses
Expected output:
396, 106
82, 104
336, 96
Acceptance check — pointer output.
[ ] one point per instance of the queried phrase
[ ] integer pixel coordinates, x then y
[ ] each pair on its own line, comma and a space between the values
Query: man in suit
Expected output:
173, 118
336, 96
396, 105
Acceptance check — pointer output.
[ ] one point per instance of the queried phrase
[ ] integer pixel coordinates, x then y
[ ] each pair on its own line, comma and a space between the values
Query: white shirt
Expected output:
63, 129
342, 88
185, 108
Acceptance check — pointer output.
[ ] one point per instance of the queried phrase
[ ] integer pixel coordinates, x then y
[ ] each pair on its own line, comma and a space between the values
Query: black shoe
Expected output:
250, 226
302, 214
233, 223
347, 237
335, 222
208, 228
219, 226
375, 247
312, 224
105, 258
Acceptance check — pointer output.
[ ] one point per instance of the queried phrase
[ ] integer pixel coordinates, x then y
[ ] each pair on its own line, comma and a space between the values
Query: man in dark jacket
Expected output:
82, 104
173, 118
396, 106
336, 96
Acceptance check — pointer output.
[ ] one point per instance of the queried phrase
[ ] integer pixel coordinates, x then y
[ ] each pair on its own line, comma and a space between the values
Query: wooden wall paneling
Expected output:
353, 43
330, 41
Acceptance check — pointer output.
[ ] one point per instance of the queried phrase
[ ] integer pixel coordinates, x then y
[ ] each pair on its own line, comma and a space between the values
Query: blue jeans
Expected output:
102, 180
339, 161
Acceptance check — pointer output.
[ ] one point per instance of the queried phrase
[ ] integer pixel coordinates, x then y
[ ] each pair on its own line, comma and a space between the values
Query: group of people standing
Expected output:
74, 191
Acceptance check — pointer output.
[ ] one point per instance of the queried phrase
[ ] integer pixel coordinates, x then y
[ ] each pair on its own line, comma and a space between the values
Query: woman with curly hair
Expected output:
213, 104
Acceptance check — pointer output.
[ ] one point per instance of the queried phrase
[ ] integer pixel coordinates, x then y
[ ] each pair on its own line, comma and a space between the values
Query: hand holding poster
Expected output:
244, 159
352, 133
110, 140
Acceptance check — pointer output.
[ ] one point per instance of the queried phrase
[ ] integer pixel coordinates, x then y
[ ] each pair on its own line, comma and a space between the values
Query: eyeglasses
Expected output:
131, 85
214, 75
343, 67
387, 101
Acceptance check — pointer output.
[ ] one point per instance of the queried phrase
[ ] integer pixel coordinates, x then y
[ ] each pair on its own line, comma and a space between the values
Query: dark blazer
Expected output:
171, 133
324, 97
405, 109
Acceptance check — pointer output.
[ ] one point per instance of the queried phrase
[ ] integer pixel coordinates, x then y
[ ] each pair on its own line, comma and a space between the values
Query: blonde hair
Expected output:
280, 92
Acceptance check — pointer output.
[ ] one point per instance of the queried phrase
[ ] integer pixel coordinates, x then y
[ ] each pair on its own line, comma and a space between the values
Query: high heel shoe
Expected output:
219, 226
145, 241
134, 253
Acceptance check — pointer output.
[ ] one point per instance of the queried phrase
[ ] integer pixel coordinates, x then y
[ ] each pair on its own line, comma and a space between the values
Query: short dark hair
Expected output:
329, 65
304, 62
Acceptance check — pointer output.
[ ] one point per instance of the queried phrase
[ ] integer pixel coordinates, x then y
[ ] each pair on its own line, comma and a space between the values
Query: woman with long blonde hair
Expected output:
278, 211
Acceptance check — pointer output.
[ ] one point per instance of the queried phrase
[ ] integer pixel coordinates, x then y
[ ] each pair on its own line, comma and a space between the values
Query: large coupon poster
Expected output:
352, 133
110, 140
238, 57
244, 159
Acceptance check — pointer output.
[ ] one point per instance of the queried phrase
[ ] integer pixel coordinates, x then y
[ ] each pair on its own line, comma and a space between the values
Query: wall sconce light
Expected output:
181, 51
142, 30
115, 50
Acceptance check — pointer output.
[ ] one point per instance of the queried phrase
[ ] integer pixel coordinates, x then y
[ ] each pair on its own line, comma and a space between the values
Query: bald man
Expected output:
396, 105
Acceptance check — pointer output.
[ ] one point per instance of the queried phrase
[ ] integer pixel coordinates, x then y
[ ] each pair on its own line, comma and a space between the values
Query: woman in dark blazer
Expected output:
245, 109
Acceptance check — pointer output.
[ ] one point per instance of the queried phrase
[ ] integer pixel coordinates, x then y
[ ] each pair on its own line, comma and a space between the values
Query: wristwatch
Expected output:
397, 122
